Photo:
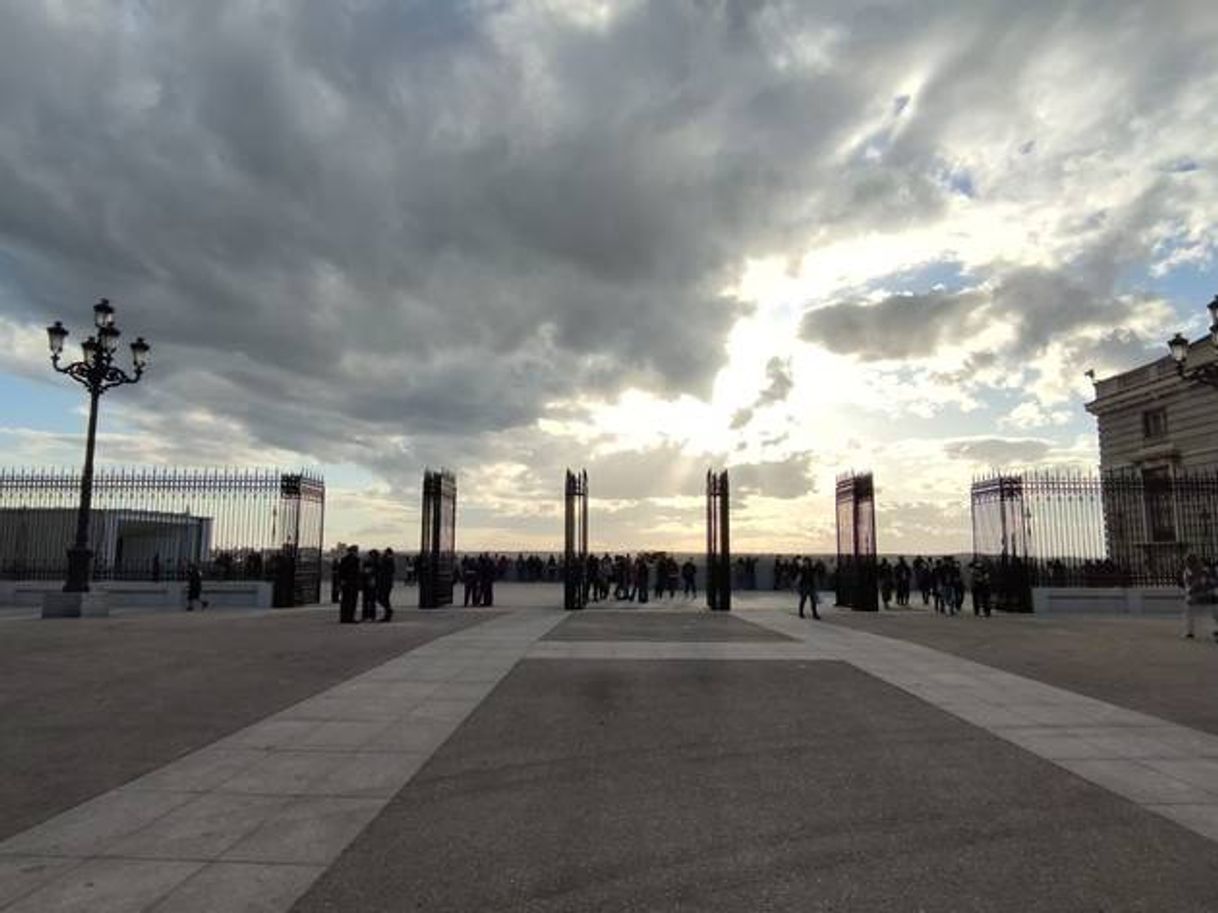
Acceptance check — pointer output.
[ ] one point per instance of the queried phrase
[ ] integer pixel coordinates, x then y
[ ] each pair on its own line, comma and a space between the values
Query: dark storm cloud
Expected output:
354, 196
1067, 306
344, 223
900, 326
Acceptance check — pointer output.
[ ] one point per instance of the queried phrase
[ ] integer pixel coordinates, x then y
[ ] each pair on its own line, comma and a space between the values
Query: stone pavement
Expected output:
652, 759
1138, 662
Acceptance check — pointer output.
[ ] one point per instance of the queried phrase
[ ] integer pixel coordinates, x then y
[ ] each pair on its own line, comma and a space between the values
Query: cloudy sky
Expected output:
790, 238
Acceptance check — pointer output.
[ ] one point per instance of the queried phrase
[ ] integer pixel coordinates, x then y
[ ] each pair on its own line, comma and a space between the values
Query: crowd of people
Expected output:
940, 582
479, 576
371, 578
637, 577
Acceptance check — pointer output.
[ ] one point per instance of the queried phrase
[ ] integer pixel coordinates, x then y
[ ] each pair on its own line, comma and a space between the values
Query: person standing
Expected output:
807, 588
1195, 580
333, 580
486, 580
922, 574
981, 587
672, 572
903, 575
885, 575
641, 577
348, 585
368, 575
194, 588
469, 581
385, 573
689, 574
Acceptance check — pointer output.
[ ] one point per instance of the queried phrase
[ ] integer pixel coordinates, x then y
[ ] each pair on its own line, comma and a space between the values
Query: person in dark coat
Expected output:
486, 581
385, 573
641, 577
689, 575
334, 580
194, 588
806, 581
348, 585
368, 580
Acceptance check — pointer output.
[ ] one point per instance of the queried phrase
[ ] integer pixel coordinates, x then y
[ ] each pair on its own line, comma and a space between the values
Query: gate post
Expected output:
575, 540
856, 549
438, 539
718, 543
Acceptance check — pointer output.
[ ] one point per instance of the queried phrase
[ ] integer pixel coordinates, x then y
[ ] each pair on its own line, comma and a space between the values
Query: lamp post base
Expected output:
80, 566
75, 605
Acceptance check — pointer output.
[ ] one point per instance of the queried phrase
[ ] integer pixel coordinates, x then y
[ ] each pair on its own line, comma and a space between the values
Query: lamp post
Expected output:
97, 372
1178, 345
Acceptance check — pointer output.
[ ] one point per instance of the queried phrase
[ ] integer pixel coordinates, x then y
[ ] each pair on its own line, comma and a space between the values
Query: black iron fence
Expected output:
1119, 528
575, 540
153, 523
437, 564
856, 578
718, 542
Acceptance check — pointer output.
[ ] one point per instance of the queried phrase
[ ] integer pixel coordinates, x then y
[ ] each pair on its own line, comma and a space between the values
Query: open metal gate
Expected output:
438, 548
295, 569
856, 558
575, 550
718, 543
1001, 530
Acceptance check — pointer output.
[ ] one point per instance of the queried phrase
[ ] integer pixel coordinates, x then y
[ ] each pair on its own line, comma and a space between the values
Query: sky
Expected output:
786, 238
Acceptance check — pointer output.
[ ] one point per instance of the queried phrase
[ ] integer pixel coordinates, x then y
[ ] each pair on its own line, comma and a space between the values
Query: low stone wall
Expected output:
1107, 601
137, 594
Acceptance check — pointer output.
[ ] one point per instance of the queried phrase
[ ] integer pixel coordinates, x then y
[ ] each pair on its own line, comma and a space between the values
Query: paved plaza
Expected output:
644, 758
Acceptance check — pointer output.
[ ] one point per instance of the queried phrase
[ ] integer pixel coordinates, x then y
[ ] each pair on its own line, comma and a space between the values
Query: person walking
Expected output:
348, 585
1195, 580
807, 588
385, 573
194, 588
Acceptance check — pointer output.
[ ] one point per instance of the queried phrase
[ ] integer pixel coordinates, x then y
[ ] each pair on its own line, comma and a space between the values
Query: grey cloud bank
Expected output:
387, 234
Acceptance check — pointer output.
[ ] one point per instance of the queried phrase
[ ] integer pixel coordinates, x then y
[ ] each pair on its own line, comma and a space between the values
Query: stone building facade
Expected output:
1153, 421
1158, 437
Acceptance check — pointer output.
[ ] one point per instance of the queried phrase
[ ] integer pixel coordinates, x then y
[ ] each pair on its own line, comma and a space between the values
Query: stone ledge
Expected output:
75, 605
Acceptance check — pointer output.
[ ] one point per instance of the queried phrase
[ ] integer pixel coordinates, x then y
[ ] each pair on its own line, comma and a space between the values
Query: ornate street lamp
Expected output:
1178, 345
97, 372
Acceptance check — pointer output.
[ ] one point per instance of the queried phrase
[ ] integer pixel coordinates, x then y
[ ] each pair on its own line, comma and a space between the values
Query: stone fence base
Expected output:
136, 594
1107, 600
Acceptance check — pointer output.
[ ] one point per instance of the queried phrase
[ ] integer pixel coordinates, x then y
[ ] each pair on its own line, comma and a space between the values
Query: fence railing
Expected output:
1118, 528
153, 523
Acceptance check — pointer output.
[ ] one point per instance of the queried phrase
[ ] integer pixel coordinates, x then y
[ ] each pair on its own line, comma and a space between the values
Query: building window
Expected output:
1160, 513
1154, 424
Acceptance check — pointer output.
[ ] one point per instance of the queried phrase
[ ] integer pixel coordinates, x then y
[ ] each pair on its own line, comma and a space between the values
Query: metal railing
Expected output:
152, 523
